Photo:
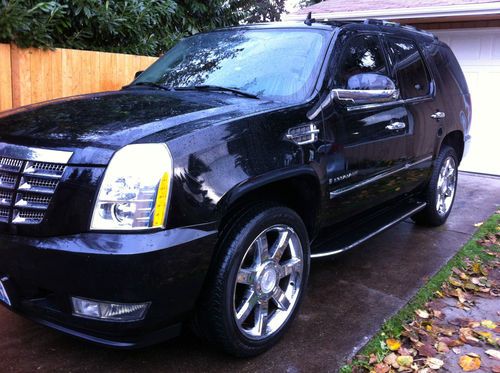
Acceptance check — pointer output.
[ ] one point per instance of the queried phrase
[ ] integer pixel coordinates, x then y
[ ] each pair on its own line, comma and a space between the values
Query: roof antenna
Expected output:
309, 20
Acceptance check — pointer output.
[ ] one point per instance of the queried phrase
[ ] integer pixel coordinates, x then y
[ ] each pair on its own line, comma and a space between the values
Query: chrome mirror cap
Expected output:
368, 96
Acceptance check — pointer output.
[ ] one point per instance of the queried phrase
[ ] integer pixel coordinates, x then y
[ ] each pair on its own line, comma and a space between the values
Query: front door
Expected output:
367, 155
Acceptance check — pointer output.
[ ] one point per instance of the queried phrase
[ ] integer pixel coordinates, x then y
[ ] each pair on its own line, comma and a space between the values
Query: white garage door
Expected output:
478, 51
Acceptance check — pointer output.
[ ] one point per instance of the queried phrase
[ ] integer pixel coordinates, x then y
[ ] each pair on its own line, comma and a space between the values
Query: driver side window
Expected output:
362, 54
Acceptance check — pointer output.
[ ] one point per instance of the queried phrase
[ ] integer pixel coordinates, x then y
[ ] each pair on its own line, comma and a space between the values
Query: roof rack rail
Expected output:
381, 22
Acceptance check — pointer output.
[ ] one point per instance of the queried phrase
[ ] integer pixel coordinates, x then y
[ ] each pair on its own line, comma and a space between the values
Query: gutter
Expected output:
404, 13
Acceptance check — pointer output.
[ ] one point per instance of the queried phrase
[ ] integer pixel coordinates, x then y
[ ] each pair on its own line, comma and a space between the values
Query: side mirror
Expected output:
367, 88
138, 73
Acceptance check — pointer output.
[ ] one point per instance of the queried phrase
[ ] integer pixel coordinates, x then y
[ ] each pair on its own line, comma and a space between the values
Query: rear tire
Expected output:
258, 281
440, 193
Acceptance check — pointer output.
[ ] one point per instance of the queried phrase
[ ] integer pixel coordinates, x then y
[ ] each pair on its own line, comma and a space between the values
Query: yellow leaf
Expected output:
422, 314
393, 344
476, 267
470, 363
434, 363
439, 294
404, 361
488, 324
486, 336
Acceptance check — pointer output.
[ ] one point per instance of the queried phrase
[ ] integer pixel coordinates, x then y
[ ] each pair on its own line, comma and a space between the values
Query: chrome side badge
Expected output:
343, 177
303, 135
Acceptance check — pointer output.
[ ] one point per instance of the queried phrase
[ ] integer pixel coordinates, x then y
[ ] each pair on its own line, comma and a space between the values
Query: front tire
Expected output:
440, 193
258, 282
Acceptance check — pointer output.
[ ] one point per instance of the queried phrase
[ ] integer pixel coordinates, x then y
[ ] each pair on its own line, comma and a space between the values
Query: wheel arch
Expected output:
298, 189
454, 139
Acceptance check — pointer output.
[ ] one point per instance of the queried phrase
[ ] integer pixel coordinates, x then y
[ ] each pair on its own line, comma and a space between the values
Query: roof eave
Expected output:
485, 9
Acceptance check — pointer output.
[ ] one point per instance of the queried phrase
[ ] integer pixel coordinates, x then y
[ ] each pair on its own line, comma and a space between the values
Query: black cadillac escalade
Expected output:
199, 193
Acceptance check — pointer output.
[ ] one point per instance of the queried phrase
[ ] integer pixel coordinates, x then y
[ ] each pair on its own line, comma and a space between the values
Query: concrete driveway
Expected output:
348, 299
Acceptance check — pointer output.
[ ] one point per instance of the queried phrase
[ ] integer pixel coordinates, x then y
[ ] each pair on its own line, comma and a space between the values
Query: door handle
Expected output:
395, 126
438, 115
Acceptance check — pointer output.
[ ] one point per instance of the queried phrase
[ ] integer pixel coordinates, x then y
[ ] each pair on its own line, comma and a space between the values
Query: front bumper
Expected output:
166, 268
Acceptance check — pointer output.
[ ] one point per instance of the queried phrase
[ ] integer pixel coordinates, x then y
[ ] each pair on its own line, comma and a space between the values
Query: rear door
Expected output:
418, 92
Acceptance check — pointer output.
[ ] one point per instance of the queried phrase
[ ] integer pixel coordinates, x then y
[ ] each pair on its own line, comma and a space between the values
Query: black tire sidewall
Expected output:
240, 237
433, 217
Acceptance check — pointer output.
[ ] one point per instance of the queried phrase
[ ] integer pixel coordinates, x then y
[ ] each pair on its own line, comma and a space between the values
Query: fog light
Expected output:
109, 311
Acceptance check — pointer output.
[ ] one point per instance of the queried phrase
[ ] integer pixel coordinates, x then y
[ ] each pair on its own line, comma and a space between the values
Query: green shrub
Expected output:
147, 27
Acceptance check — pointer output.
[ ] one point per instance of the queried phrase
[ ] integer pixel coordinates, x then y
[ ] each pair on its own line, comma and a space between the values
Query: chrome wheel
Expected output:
446, 186
268, 282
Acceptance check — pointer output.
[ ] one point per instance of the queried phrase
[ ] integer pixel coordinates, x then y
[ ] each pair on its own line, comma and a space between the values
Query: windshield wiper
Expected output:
217, 88
148, 84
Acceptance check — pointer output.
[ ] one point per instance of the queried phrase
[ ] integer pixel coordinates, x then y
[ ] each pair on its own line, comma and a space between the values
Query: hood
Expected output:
94, 126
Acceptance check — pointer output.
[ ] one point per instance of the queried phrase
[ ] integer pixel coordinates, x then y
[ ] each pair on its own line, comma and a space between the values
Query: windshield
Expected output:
280, 64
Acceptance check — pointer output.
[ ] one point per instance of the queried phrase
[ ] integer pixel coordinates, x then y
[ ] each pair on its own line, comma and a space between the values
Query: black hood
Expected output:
95, 126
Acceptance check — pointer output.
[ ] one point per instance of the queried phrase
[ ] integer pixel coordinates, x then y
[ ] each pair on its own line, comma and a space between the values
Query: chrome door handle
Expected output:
438, 115
395, 126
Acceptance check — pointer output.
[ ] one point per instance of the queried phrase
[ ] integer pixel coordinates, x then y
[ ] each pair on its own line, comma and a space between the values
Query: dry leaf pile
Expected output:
428, 339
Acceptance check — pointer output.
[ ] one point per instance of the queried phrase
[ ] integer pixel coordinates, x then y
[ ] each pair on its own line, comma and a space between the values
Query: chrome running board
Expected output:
366, 237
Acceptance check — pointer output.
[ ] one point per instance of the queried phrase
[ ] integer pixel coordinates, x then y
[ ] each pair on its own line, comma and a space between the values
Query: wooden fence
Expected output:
29, 76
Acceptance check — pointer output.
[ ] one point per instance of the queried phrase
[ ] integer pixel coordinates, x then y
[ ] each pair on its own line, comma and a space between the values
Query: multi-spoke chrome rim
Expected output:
268, 282
446, 186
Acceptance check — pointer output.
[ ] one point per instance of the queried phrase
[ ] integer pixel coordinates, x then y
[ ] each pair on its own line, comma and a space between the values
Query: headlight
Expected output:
135, 191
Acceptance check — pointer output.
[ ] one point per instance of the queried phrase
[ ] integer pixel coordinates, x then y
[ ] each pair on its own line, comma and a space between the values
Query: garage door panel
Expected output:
496, 48
478, 52
467, 47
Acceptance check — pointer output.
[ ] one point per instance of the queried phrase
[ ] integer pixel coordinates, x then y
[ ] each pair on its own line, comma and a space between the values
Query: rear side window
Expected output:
362, 54
450, 61
409, 67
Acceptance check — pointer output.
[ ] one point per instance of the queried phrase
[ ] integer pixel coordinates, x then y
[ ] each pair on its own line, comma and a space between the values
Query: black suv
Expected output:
200, 192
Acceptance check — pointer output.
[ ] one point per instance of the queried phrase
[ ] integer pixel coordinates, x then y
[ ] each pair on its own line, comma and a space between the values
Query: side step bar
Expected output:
337, 246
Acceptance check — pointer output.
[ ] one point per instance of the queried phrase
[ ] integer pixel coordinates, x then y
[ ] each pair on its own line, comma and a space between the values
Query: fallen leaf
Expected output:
442, 347
474, 324
455, 282
373, 359
456, 350
382, 368
404, 361
476, 267
426, 350
467, 336
469, 362
393, 344
407, 351
423, 314
487, 337
391, 360
496, 369
477, 225
488, 324
438, 314
434, 363
493, 353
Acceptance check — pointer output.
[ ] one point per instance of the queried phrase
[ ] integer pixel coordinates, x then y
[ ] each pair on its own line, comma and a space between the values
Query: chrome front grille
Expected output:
4, 214
26, 189
10, 164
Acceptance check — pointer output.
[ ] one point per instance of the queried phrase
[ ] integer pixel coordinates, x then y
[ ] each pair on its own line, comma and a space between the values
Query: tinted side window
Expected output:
362, 54
453, 65
410, 68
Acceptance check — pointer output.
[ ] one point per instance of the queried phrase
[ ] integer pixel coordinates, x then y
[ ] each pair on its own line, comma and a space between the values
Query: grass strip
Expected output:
393, 327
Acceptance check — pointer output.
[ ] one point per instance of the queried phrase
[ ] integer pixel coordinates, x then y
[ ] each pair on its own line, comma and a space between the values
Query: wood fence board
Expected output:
34, 75
5, 77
